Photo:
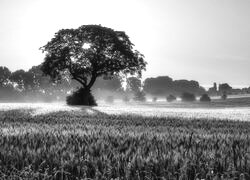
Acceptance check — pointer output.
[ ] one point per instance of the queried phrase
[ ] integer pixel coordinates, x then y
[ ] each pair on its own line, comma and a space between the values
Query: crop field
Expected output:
126, 141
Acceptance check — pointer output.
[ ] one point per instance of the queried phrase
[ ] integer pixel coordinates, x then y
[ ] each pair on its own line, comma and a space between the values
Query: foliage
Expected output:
205, 98
133, 84
171, 98
4, 76
24, 80
163, 85
81, 97
158, 86
77, 145
225, 88
188, 97
88, 52
140, 96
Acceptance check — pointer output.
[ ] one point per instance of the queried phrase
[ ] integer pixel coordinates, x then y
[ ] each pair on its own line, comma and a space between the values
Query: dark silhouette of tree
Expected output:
88, 52
225, 88
188, 97
205, 98
7, 91
188, 86
164, 85
161, 85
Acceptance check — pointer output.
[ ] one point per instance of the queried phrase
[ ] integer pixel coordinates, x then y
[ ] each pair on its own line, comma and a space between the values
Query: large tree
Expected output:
88, 52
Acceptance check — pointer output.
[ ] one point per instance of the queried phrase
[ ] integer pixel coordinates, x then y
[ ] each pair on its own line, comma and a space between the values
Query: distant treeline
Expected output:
32, 85
164, 85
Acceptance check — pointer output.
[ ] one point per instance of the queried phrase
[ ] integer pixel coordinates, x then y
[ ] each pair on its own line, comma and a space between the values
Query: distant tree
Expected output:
48, 89
7, 91
24, 80
111, 84
170, 98
158, 86
140, 96
4, 76
134, 84
41, 82
164, 85
89, 52
225, 88
188, 97
188, 86
205, 98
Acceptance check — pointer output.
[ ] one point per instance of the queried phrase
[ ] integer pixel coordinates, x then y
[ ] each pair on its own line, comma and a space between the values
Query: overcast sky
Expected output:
204, 40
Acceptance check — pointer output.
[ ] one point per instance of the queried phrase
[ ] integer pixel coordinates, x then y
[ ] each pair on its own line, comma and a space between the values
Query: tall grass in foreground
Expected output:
71, 145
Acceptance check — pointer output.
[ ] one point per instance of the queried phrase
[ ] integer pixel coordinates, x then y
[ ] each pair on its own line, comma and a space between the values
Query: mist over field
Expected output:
124, 90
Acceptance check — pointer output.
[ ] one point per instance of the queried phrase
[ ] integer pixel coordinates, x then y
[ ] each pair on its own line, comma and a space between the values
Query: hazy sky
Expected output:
204, 40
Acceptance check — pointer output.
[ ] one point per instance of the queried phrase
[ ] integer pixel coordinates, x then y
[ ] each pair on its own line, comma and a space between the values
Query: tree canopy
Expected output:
90, 51
164, 85
4, 75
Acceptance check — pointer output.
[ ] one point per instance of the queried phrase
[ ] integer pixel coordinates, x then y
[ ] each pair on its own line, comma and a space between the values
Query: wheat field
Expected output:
132, 141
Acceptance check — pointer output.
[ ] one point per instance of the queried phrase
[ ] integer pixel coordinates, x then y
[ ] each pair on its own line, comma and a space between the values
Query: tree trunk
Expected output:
91, 82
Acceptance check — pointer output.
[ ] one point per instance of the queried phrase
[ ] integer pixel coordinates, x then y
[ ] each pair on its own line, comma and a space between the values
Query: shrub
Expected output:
140, 96
171, 98
205, 98
109, 99
81, 97
188, 97
154, 99
224, 96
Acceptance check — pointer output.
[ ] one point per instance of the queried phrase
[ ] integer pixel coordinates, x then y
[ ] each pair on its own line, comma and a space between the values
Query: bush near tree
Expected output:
80, 97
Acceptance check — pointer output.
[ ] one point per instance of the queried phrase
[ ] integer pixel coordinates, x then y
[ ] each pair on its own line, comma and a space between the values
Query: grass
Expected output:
90, 144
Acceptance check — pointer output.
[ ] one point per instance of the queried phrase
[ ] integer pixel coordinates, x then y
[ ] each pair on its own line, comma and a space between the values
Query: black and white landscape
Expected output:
115, 89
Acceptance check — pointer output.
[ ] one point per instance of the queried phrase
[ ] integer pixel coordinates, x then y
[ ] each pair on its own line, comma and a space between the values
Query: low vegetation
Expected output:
188, 97
205, 98
81, 97
89, 144
170, 98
